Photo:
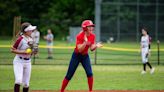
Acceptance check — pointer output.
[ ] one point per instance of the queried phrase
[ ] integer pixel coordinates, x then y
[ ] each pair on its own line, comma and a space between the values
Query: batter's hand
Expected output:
98, 45
85, 38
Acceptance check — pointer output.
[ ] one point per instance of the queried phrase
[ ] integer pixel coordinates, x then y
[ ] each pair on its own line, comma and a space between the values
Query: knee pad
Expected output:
89, 74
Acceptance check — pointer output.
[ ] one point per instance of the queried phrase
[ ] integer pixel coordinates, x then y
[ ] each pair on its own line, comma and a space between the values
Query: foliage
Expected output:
59, 15
55, 14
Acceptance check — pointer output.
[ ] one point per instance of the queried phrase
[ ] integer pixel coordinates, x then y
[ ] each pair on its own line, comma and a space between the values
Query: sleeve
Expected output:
94, 40
79, 40
17, 43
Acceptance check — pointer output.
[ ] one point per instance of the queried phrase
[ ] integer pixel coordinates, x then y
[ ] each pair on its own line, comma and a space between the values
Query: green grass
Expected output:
116, 70
62, 56
112, 77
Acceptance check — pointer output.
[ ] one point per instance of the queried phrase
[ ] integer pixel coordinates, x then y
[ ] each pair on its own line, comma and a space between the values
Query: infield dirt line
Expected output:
88, 91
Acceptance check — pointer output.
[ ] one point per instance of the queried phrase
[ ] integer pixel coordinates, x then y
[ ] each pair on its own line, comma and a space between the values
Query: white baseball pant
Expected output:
22, 72
144, 54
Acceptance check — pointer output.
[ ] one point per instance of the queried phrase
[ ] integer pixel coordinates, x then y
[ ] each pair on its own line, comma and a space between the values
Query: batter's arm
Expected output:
81, 46
94, 46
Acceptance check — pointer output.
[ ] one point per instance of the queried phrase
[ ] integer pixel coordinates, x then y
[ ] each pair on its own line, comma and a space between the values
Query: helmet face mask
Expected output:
87, 23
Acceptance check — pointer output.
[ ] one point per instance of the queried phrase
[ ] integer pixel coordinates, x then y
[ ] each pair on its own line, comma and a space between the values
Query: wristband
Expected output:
94, 48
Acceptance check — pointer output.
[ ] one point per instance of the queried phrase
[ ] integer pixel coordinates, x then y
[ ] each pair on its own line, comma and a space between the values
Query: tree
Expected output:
65, 13
55, 14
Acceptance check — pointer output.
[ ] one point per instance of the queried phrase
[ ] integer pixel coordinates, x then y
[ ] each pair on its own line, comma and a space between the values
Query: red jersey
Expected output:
80, 40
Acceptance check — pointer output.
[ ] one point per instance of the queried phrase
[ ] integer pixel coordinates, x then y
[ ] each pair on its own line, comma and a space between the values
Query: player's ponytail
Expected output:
24, 26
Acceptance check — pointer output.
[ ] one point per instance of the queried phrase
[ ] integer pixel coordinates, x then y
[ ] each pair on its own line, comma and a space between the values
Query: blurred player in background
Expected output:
22, 60
49, 38
84, 40
145, 50
36, 36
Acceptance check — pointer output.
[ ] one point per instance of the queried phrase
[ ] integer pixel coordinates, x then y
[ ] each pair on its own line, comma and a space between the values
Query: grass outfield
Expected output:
62, 56
116, 70
110, 54
106, 77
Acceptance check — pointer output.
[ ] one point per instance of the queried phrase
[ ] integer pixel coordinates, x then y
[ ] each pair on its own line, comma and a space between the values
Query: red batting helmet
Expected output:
86, 23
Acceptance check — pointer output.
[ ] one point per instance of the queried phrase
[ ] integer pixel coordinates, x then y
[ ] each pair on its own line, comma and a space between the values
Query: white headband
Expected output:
29, 28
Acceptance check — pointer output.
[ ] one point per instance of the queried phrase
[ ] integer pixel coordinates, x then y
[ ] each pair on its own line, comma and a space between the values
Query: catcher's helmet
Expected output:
86, 23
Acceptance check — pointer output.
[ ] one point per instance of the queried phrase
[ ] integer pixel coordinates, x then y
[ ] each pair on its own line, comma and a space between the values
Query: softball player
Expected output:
22, 60
84, 40
145, 51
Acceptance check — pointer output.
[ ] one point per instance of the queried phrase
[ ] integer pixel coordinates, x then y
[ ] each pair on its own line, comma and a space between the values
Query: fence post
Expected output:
95, 59
158, 51
16, 27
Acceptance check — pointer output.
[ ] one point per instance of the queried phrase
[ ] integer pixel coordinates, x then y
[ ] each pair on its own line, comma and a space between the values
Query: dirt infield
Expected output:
93, 91
104, 91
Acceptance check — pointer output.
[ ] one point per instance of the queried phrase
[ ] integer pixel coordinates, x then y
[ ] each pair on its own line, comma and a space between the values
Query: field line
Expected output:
71, 47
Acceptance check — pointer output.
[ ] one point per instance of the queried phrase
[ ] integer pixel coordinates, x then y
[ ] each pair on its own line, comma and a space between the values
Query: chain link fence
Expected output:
123, 19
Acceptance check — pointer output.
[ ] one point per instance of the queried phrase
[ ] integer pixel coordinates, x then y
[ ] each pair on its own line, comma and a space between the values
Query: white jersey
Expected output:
22, 43
145, 41
36, 36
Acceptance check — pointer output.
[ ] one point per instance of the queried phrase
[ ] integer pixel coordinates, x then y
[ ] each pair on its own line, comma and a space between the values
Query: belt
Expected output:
24, 58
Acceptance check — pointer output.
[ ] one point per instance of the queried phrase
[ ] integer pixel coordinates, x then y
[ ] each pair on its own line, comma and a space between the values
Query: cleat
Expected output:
143, 72
152, 70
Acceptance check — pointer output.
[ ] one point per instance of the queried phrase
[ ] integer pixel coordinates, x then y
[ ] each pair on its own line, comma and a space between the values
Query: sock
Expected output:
149, 65
144, 67
25, 89
90, 83
64, 84
16, 87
